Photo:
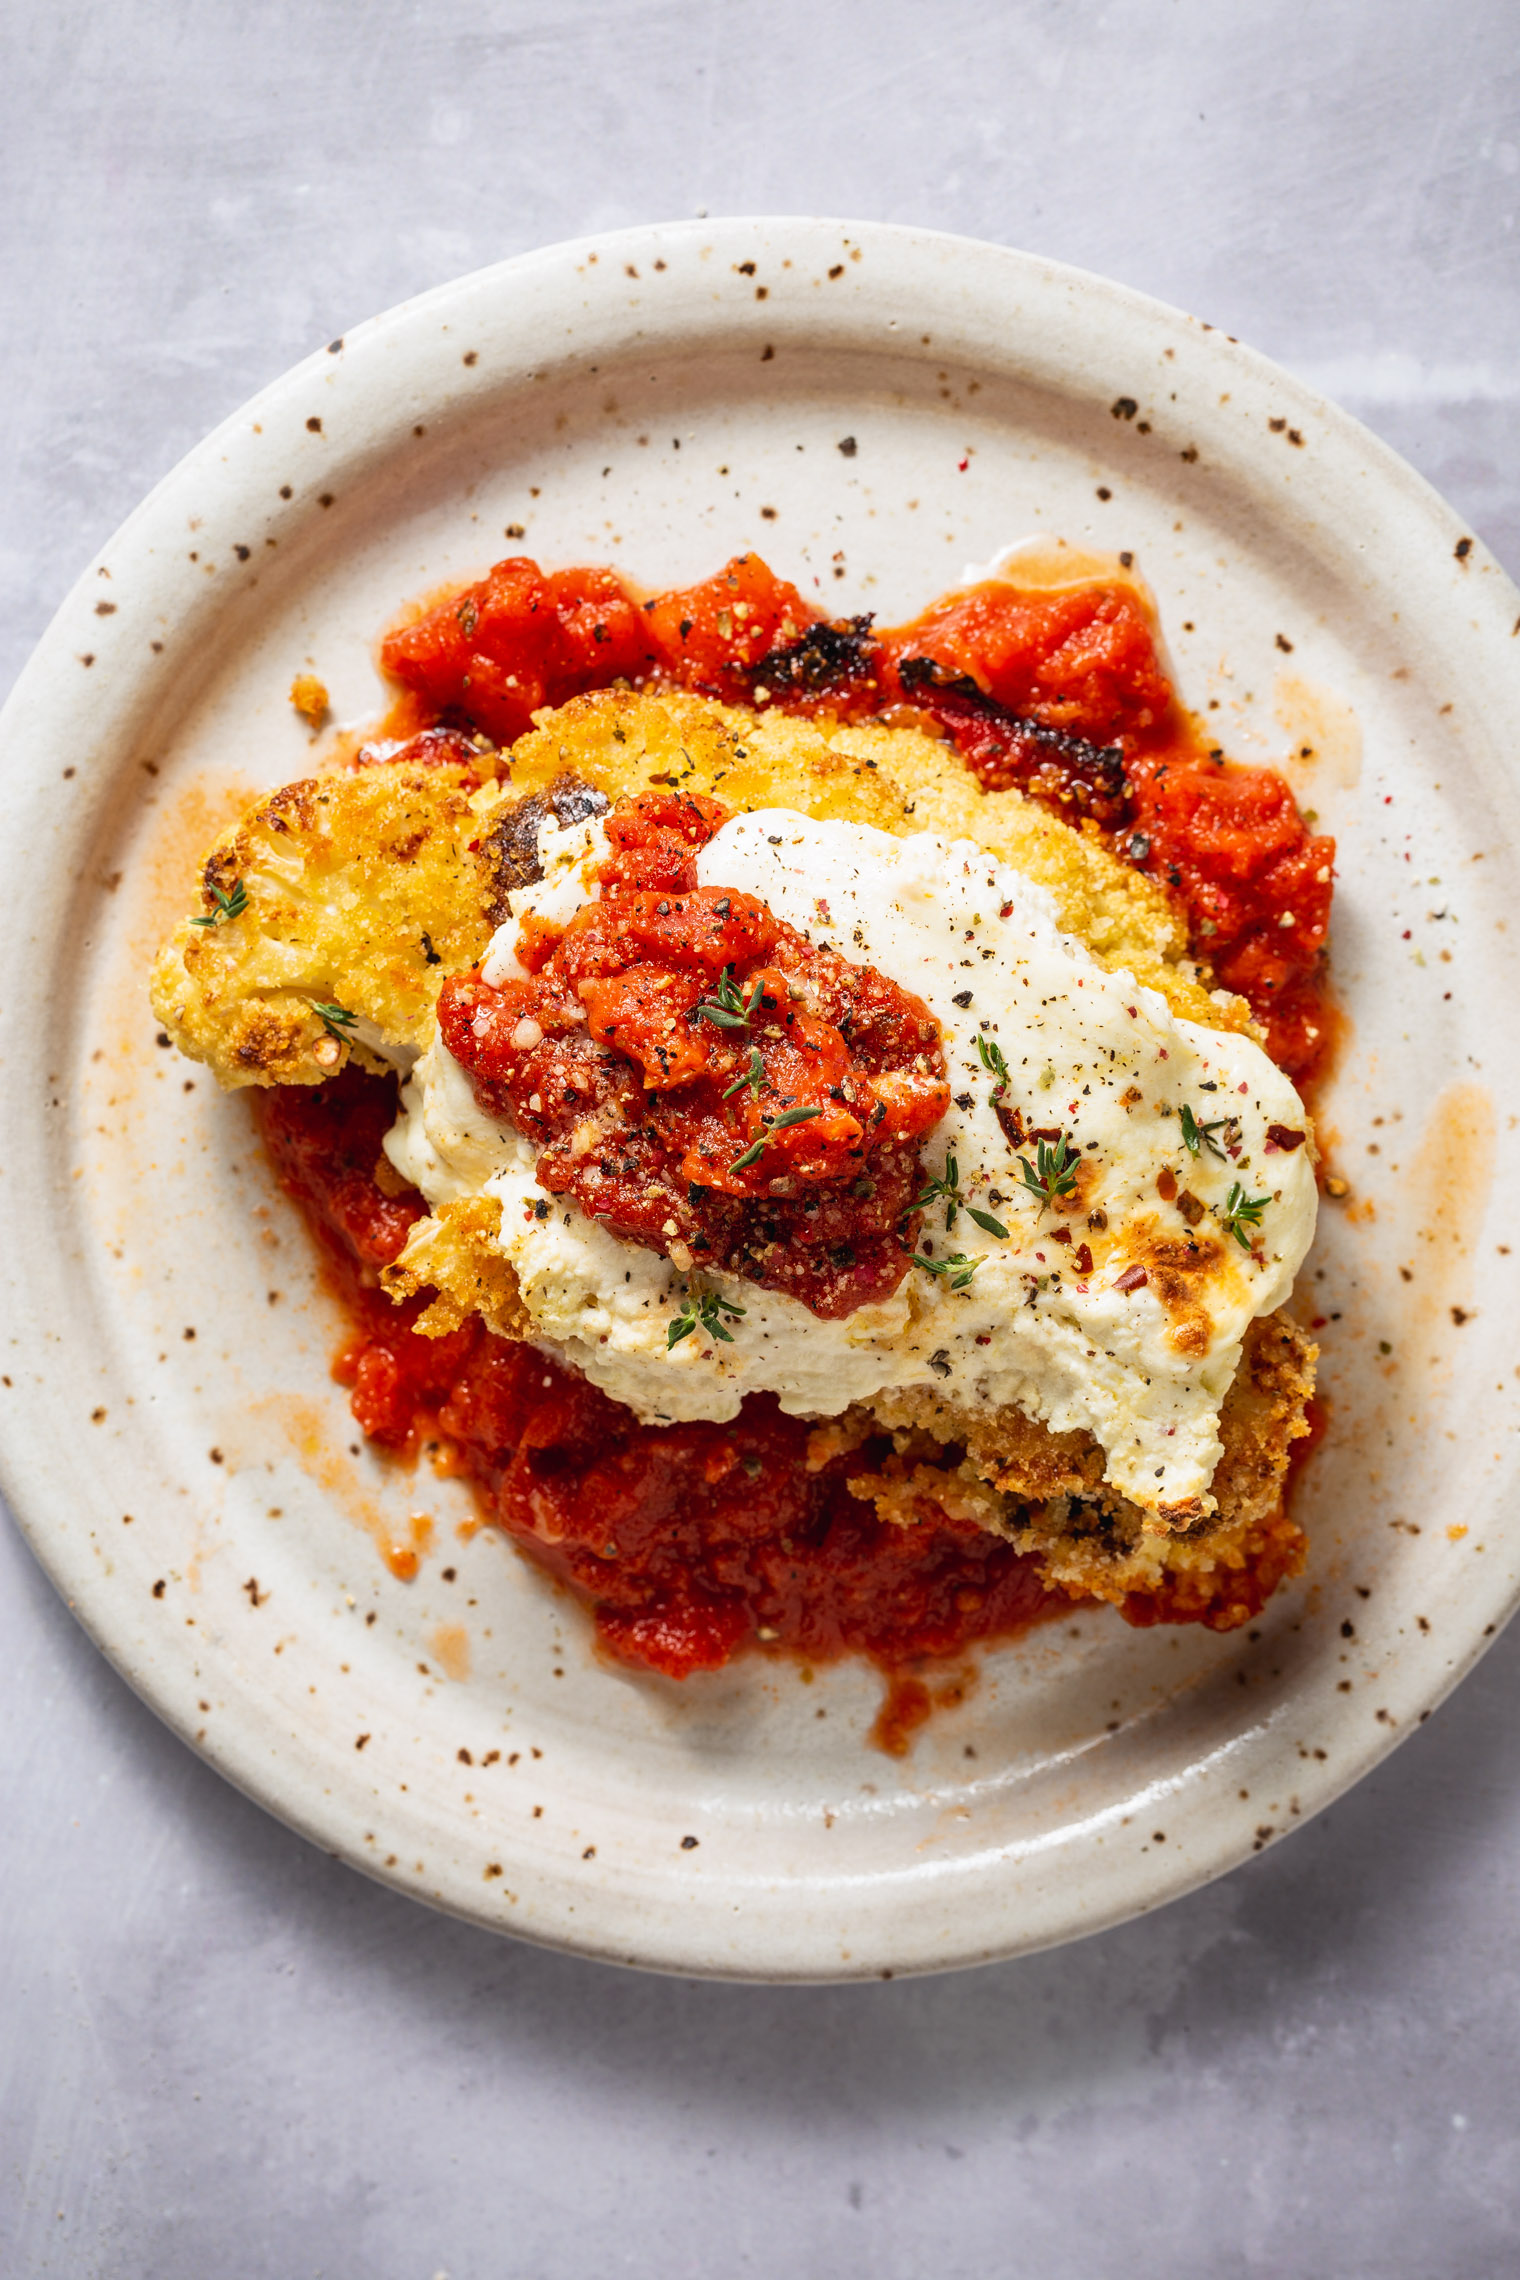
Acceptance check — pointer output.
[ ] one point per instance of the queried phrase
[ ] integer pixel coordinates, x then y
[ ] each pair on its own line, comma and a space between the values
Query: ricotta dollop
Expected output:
1131, 1327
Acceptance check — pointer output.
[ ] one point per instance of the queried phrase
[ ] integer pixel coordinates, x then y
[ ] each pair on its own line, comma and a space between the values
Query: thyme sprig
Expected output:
991, 1057
754, 1076
1053, 1173
1242, 1211
1010, 1119
726, 1008
776, 1124
230, 905
957, 1267
949, 1187
701, 1310
336, 1020
1196, 1135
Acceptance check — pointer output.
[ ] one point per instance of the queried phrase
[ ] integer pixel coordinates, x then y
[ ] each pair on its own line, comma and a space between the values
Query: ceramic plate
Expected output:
875, 409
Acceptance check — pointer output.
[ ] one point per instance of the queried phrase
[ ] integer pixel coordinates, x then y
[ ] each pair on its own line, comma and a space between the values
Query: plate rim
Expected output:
39, 716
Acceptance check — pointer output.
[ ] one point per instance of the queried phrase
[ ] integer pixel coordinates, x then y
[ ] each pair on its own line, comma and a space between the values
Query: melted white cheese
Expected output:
1086, 1050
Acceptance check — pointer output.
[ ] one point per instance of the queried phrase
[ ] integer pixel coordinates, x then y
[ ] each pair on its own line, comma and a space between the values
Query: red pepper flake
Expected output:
1061, 1235
1133, 1278
1084, 1259
1284, 1137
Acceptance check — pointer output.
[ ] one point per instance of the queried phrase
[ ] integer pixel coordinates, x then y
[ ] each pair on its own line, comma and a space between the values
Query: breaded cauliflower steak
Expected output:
363, 891
366, 889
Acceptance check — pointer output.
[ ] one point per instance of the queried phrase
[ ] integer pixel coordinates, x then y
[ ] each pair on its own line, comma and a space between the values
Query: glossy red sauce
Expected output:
1062, 694
691, 1542
697, 1075
688, 1542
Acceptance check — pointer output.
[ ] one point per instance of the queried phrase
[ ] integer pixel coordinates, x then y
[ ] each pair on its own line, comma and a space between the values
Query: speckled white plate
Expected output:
172, 1443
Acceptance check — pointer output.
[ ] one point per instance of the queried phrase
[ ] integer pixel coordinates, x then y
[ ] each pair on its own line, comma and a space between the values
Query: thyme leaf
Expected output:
754, 1076
230, 905
1242, 1211
958, 1268
1196, 1135
701, 1310
949, 1186
991, 1058
1053, 1172
726, 1008
335, 1019
776, 1124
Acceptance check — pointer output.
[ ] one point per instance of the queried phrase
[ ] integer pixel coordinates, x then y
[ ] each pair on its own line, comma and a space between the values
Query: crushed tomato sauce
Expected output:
688, 1542
691, 1542
704, 1082
1061, 694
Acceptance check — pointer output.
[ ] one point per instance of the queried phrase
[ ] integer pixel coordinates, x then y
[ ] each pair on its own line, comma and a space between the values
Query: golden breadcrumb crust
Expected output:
454, 1256
899, 779
353, 879
350, 881
363, 891
1046, 1491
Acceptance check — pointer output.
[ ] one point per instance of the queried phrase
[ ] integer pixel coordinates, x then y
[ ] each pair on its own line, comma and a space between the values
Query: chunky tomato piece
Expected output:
711, 636
518, 640
699, 929
1083, 659
1255, 882
705, 1082
654, 835
648, 1015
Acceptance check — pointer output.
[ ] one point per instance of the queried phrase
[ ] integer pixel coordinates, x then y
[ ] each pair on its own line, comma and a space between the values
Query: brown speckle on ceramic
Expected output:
323, 1625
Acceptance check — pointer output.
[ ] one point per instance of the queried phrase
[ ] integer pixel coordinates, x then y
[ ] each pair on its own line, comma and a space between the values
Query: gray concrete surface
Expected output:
220, 2053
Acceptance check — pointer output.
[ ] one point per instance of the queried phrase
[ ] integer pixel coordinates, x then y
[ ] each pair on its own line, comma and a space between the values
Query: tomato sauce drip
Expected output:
324, 1144
1060, 694
688, 1542
703, 1081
